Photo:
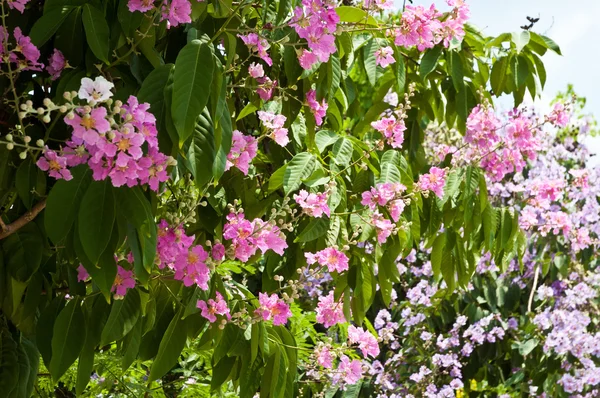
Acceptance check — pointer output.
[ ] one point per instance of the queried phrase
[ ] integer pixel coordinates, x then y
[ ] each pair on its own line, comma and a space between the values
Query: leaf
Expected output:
370, 61
152, 91
67, 339
342, 151
69, 39
46, 26
170, 348
353, 15
276, 179
96, 219
521, 39
316, 228
526, 347
194, 68
437, 254
96, 318
429, 61
96, 31
324, 138
24, 251
45, 328
63, 202
25, 181
551, 44
134, 340
201, 152
299, 168
129, 21
123, 317
389, 173
456, 69
249, 109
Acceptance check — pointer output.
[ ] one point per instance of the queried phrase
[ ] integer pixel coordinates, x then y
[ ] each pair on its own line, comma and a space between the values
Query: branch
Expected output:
24, 219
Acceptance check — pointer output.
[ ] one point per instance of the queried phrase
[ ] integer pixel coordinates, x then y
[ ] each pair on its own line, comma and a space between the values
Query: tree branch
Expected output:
24, 219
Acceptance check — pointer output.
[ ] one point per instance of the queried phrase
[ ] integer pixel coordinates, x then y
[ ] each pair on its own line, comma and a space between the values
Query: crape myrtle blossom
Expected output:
211, 308
433, 181
274, 126
257, 45
319, 110
329, 311
388, 195
55, 165
313, 204
248, 236
24, 53
243, 150
367, 343
97, 90
331, 257
123, 281
392, 129
56, 64
273, 308
18, 5
384, 56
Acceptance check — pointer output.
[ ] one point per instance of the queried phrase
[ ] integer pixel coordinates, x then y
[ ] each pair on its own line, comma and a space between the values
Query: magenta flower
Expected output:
313, 205
140, 5
324, 355
27, 49
331, 257
273, 308
330, 312
125, 171
257, 45
391, 129
243, 150
348, 371
153, 169
384, 56
419, 27
433, 181
123, 282
56, 64
559, 115
383, 226
307, 59
482, 127
367, 343
381, 194
218, 252
177, 12
319, 110
190, 267
88, 127
212, 308
256, 70
54, 164
82, 274
97, 90
274, 125
17, 4
265, 90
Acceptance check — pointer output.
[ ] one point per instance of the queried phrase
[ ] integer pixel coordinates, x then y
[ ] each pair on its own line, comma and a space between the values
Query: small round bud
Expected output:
67, 95
46, 119
10, 146
47, 102
70, 115
29, 103
40, 110
63, 109
27, 139
23, 155
111, 135
9, 137
22, 115
40, 143
23, 107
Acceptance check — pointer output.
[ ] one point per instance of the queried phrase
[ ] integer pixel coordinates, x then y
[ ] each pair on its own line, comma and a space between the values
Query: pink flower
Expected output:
56, 64
97, 90
82, 274
248, 236
434, 181
384, 56
383, 226
265, 90
396, 207
87, 127
54, 164
559, 115
178, 12
381, 194
482, 128
272, 307
17, 4
218, 252
140, 5
257, 45
557, 222
324, 356
256, 70
153, 169
190, 267
391, 129
330, 312
212, 308
243, 150
334, 259
274, 125
379, 5
125, 171
313, 205
307, 59
419, 27
349, 371
123, 282
367, 343
318, 110
27, 49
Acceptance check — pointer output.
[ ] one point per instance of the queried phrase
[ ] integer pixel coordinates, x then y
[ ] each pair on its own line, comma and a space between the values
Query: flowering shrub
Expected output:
241, 198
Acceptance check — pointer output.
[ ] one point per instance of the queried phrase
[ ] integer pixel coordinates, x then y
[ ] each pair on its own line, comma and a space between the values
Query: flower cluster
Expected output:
258, 45
274, 125
367, 343
319, 110
243, 150
110, 143
266, 85
211, 308
248, 236
313, 204
386, 194
316, 22
331, 257
329, 311
24, 53
273, 308
124, 280
384, 56
175, 12
433, 181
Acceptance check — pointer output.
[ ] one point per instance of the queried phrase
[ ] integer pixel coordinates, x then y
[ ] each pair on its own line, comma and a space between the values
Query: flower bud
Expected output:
22, 115
67, 95
47, 102
46, 119
10, 146
40, 110
9, 137
63, 109
23, 155
70, 115
29, 104
23, 107
27, 139
40, 143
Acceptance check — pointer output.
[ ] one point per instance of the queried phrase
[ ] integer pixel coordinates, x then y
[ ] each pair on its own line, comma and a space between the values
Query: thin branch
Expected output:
24, 219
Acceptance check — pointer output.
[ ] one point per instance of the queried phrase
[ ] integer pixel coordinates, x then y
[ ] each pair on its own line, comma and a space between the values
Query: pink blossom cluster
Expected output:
316, 22
248, 236
319, 110
211, 308
385, 194
392, 129
334, 259
313, 204
384, 56
124, 280
274, 125
366, 342
348, 371
379, 5
273, 308
175, 251
425, 27
383, 226
559, 115
111, 151
258, 45
56, 64
24, 53
329, 311
18, 5
433, 181
175, 12
266, 85
243, 150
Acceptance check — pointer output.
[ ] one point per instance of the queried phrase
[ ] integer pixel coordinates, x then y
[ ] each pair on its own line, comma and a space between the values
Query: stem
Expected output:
535, 281
24, 219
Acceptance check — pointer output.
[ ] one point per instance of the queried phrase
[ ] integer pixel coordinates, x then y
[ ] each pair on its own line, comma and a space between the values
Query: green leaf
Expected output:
389, 173
67, 339
456, 69
551, 44
132, 345
96, 219
526, 347
370, 61
498, 76
9, 365
521, 39
201, 151
26, 180
192, 80
276, 179
170, 348
354, 15
123, 317
342, 151
316, 228
299, 168
24, 252
437, 254
129, 21
249, 109
429, 61
63, 202
45, 328
45, 27
324, 138
96, 318
96, 31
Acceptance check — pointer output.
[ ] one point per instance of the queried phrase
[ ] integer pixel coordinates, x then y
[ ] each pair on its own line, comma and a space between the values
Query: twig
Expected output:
24, 219
535, 281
